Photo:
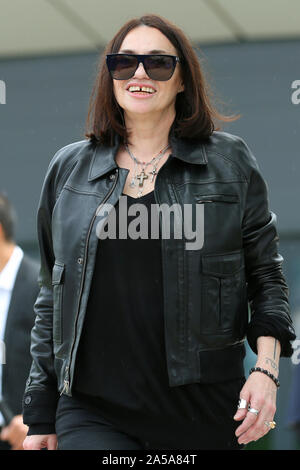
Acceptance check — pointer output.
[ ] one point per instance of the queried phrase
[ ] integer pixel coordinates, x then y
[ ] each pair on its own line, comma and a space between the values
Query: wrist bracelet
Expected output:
264, 371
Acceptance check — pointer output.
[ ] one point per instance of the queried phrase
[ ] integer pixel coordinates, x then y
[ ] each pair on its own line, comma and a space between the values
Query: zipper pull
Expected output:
65, 388
66, 381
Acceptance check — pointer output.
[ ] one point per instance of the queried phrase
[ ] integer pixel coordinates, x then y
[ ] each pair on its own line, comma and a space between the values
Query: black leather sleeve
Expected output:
268, 292
41, 392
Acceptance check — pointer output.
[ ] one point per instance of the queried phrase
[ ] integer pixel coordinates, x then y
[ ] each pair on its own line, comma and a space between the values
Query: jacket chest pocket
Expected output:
57, 283
224, 293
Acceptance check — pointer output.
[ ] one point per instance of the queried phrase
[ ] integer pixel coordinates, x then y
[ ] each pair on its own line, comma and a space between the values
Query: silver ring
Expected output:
252, 410
242, 404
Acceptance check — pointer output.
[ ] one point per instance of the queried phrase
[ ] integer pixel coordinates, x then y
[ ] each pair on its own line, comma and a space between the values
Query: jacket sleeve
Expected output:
41, 392
268, 292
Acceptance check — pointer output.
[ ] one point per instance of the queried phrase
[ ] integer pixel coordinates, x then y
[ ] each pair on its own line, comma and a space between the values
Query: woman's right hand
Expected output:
40, 441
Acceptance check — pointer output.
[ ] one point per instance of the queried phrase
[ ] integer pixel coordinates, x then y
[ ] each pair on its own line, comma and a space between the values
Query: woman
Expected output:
139, 342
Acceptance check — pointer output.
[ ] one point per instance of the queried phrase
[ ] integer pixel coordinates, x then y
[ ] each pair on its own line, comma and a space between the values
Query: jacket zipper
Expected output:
67, 370
184, 313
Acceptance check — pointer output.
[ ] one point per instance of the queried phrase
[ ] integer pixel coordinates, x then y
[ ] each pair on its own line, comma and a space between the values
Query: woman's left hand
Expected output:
260, 392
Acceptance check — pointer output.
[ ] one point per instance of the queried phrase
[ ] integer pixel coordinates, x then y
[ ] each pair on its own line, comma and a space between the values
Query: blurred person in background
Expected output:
138, 342
18, 292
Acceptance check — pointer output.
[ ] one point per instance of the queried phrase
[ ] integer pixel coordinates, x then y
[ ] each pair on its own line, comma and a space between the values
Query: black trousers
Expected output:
82, 425
78, 427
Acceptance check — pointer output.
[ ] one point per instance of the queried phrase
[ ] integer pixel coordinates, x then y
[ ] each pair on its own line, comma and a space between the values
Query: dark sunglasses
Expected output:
157, 66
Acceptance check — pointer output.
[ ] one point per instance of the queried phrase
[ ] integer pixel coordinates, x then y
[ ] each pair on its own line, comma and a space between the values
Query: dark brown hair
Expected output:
196, 117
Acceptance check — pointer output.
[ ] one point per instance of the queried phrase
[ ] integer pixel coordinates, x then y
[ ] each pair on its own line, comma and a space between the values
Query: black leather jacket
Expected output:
208, 292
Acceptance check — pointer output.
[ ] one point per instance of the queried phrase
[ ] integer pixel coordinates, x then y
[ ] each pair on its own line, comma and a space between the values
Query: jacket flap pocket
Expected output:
217, 198
223, 264
57, 273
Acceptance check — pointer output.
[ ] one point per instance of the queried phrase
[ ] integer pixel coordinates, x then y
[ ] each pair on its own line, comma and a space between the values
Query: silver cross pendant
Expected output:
141, 177
153, 173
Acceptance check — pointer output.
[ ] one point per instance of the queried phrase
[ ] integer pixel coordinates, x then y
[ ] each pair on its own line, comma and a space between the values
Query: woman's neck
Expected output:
148, 136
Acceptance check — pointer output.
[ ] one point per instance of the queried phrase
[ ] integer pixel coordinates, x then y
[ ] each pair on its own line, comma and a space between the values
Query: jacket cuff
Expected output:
41, 428
39, 406
284, 334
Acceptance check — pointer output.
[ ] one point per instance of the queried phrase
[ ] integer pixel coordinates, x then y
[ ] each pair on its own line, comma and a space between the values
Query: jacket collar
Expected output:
103, 160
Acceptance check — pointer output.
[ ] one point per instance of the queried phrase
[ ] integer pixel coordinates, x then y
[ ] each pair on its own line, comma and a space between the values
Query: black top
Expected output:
121, 356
